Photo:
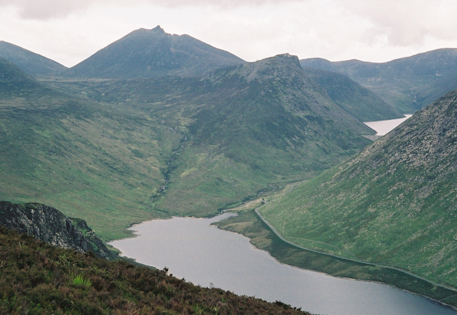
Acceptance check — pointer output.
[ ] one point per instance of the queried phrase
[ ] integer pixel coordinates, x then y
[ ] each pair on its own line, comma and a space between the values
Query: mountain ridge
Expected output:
408, 83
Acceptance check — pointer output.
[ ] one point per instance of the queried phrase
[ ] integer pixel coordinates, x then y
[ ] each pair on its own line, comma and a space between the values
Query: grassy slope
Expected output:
41, 279
393, 204
94, 161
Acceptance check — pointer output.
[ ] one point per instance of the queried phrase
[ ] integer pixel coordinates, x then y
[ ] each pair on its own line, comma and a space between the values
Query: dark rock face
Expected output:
52, 226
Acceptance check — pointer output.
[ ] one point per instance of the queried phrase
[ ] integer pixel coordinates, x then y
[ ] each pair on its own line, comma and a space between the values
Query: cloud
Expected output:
48, 9
407, 22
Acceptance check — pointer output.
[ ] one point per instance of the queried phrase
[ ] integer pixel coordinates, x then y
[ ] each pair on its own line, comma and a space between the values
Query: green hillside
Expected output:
393, 204
244, 130
408, 84
94, 161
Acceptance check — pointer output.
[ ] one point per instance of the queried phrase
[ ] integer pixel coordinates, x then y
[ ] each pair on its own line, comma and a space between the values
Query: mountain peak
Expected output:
272, 67
284, 58
158, 29
148, 53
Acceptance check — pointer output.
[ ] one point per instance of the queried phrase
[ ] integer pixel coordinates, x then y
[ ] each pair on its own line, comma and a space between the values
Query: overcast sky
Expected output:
68, 31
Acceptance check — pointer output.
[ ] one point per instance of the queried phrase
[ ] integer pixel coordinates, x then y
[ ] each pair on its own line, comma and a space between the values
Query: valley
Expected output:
156, 126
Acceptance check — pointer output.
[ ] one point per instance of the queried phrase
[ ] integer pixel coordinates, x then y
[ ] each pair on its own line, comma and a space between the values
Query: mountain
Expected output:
392, 204
355, 99
153, 53
38, 278
52, 226
408, 83
14, 82
30, 62
244, 130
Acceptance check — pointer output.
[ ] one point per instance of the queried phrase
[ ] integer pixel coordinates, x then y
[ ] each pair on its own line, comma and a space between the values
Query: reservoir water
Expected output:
205, 255
382, 127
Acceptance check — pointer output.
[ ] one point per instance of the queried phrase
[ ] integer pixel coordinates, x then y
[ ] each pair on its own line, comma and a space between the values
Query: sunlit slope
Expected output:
243, 129
90, 160
408, 84
392, 204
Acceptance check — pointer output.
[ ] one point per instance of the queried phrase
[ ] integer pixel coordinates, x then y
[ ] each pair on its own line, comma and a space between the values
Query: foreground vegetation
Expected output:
41, 279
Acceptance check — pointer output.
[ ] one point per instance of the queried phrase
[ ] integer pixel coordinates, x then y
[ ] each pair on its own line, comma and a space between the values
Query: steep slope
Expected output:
41, 279
29, 62
89, 160
52, 226
408, 84
392, 204
153, 53
243, 129
349, 95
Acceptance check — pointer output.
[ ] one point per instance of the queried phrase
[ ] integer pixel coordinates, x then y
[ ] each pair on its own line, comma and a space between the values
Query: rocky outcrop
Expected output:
52, 226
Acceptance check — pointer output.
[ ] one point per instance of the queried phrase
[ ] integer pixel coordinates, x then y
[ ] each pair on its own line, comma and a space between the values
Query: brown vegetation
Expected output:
37, 278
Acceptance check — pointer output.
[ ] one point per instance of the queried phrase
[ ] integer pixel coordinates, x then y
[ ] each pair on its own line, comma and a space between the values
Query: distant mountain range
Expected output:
392, 204
152, 53
408, 83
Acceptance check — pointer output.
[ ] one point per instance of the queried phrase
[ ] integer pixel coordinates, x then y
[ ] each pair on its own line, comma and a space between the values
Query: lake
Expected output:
205, 255
382, 127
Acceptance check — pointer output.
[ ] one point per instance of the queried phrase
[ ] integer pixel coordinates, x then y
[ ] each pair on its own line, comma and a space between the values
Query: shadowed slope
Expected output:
29, 62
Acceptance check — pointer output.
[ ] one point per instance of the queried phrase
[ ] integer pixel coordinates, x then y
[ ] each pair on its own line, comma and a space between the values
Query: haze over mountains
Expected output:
156, 125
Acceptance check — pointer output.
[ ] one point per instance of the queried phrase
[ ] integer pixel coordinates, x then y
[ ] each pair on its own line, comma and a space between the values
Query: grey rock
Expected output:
52, 226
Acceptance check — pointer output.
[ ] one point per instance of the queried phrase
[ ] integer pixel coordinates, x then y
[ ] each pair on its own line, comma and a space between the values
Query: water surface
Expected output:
382, 127
205, 255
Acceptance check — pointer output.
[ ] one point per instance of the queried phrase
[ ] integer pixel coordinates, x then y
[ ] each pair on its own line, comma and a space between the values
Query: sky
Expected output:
69, 31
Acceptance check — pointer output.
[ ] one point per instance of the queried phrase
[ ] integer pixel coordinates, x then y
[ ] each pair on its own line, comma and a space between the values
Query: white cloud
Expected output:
47, 9
407, 22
